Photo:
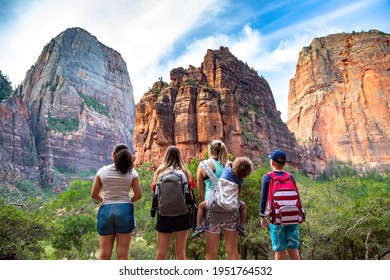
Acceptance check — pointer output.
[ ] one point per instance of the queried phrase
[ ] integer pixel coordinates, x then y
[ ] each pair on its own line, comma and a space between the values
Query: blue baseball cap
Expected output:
278, 156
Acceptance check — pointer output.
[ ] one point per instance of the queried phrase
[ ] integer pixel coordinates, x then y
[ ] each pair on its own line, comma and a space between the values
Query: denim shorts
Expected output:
115, 218
284, 237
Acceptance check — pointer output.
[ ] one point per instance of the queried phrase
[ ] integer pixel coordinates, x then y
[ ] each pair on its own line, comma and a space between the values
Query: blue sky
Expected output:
154, 36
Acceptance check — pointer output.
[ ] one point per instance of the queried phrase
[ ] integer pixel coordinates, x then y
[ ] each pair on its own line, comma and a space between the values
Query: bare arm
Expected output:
95, 192
200, 183
136, 186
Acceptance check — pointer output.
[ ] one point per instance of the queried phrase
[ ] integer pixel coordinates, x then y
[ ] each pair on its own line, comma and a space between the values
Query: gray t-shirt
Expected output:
116, 186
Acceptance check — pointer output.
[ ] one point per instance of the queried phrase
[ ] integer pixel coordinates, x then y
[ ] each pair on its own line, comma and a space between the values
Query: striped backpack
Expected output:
284, 205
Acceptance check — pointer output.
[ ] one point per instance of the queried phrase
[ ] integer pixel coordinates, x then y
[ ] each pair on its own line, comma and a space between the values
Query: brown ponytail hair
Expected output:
123, 160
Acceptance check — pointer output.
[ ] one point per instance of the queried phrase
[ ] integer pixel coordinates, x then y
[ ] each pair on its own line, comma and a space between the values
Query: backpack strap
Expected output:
206, 167
274, 175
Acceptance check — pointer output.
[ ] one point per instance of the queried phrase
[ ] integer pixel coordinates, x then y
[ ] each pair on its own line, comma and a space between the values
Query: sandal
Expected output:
197, 231
241, 231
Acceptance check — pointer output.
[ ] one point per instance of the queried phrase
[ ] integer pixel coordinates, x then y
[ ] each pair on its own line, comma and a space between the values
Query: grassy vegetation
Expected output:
94, 104
347, 218
62, 124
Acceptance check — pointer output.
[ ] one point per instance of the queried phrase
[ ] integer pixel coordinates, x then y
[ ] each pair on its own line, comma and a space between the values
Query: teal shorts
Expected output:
284, 237
115, 218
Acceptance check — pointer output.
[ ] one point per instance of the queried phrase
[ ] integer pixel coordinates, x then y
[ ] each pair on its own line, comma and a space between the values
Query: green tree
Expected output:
73, 215
75, 237
20, 233
5, 87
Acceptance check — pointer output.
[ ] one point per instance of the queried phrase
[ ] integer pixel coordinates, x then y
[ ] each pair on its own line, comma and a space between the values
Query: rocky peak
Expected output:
339, 101
80, 103
222, 99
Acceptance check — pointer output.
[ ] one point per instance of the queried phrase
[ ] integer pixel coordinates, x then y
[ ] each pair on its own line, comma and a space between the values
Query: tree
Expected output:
20, 233
76, 237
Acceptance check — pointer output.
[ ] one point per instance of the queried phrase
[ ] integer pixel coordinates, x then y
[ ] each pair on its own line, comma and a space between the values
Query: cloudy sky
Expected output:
154, 36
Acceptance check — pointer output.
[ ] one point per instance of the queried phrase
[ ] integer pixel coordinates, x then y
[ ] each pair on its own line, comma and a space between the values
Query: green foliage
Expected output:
193, 166
26, 186
347, 218
145, 223
76, 200
141, 249
75, 237
5, 87
20, 233
62, 124
94, 104
192, 83
73, 215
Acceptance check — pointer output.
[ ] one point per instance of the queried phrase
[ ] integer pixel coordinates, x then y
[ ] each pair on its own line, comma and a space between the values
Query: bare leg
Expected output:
122, 245
212, 246
280, 255
163, 240
242, 214
180, 244
201, 213
294, 254
106, 245
231, 243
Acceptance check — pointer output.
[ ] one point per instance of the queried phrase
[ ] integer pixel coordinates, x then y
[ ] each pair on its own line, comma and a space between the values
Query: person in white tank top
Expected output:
115, 220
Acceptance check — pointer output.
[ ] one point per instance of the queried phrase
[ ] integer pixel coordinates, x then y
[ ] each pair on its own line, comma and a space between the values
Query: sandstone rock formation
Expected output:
18, 155
339, 101
223, 99
80, 103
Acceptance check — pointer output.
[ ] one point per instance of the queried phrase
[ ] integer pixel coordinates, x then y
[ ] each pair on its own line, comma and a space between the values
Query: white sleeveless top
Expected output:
116, 186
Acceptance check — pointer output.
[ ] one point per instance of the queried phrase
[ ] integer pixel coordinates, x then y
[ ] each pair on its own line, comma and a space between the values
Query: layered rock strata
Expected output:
222, 99
19, 159
339, 106
80, 103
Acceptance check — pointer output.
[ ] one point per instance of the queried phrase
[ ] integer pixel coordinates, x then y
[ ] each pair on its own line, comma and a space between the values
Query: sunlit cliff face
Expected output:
339, 100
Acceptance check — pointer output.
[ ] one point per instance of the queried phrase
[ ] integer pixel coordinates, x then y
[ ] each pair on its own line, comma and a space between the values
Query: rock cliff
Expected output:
80, 103
222, 99
339, 106
19, 159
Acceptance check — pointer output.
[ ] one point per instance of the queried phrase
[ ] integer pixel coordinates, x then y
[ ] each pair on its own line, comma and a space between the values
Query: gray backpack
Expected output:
171, 191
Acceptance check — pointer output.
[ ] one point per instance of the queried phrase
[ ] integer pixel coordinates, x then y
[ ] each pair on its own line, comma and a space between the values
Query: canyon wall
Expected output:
222, 99
339, 107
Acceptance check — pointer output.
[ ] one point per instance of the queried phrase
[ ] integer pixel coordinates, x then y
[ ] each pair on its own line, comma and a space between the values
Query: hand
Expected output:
264, 223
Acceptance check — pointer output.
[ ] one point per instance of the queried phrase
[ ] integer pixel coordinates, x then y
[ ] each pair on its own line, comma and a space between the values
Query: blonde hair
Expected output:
218, 151
172, 158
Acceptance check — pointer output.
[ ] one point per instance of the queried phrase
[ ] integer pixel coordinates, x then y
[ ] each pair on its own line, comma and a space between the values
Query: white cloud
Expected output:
146, 34
142, 31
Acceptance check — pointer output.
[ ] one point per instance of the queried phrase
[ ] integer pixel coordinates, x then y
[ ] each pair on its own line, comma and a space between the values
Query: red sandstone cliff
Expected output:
223, 99
339, 106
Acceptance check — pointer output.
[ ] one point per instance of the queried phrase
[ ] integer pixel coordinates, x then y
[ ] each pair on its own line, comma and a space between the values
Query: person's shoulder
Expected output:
134, 173
105, 168
266, 175
208, 162
203, 162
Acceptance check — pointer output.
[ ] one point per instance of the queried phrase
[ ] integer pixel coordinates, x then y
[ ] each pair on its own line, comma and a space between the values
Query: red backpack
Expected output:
284, 204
